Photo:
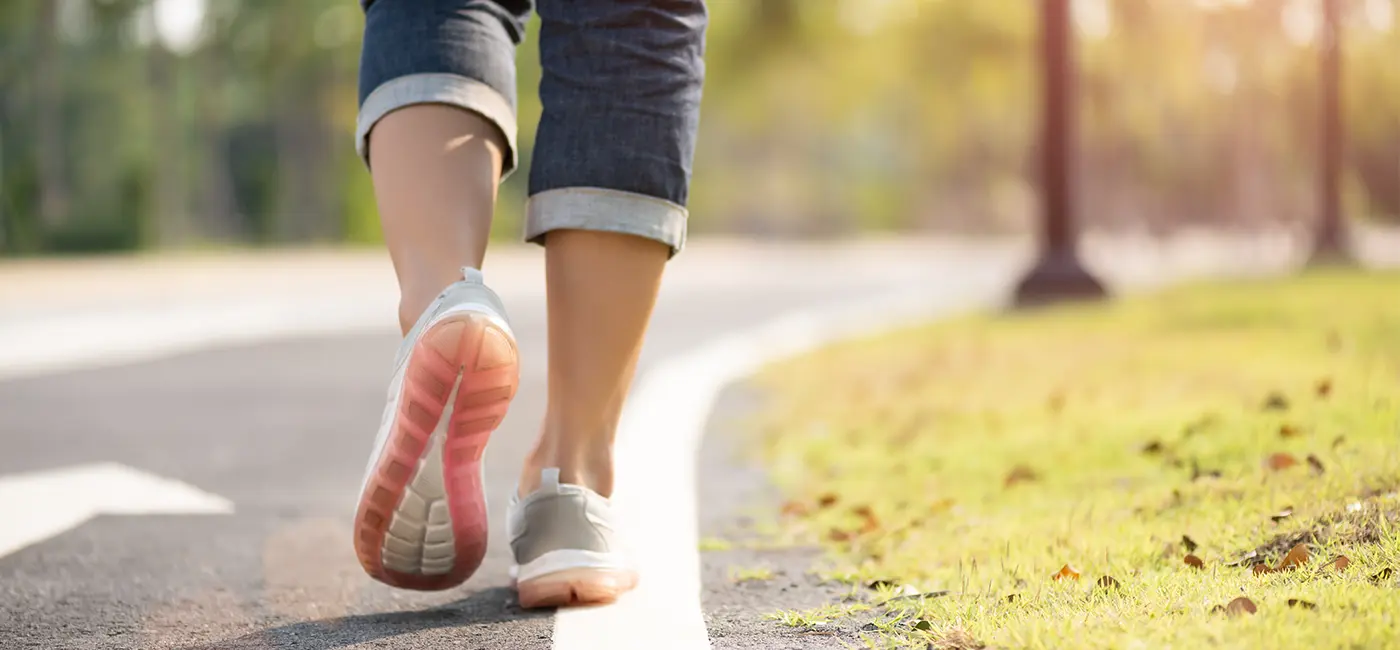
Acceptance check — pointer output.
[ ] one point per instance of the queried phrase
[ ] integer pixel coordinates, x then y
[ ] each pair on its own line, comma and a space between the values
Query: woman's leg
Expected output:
602, 286
437, 128
437, 125
435, 171
621, 94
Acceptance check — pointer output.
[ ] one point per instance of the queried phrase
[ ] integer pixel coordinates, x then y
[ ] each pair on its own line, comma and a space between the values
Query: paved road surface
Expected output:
281, 428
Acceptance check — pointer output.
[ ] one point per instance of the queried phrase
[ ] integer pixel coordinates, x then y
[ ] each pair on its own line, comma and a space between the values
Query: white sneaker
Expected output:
421, 521
567, 551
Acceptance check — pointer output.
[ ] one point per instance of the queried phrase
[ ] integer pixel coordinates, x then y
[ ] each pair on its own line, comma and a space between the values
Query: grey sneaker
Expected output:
566, 549
421, 520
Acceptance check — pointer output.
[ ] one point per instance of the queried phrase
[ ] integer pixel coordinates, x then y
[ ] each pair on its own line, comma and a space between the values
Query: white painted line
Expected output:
39, 505
94, 338
659, 437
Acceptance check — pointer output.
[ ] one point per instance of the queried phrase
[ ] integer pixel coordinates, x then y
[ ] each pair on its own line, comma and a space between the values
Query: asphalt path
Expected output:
280, 428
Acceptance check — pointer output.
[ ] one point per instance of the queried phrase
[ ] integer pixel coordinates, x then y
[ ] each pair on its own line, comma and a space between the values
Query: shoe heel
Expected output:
575, 587
476, 355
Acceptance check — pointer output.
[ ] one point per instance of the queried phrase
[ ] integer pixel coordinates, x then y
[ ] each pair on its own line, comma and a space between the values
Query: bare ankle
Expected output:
409, 311
418, 292
580, 462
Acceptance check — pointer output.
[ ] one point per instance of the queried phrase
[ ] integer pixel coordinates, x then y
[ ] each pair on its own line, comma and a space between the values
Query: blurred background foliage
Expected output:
183, 123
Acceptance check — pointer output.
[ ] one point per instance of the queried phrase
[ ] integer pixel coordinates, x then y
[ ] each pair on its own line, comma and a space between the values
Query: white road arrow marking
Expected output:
38, 505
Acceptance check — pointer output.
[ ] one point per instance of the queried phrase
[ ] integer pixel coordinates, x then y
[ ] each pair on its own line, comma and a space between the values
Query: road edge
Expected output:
659, 439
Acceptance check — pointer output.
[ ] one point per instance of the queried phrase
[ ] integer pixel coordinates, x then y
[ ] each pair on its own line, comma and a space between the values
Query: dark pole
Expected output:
1329, 246
1057, 154
1058, 275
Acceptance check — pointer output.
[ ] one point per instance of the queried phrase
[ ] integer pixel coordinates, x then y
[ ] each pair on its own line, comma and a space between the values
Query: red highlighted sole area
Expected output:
421, 523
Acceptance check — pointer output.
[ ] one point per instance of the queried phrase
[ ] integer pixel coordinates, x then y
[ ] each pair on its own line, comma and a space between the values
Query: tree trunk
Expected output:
166, 167
295, 214
216, 200
293, 120
322, 161
53, 186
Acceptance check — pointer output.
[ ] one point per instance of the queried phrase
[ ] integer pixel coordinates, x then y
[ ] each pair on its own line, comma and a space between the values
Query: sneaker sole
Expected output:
421, 521
575, 587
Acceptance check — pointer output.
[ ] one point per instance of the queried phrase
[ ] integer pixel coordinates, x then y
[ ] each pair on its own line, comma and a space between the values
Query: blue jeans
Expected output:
621, 96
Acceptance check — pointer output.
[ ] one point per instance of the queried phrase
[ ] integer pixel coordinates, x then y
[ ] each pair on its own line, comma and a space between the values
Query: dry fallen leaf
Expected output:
1066, 572
1338, 563
1295, 558
1282, 514
869, 522
1107, 582
957, 639
1279, 461
1276, 401
1191, 544
827, 500
1020, 474
1287, 431
1261, 569
1240, 606
1193, 561
1383, 575
838, 535
1324, 387
1316, 464
794, 509
1296, 602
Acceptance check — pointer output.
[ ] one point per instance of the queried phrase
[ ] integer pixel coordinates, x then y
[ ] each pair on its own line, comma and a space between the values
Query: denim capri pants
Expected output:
620, 91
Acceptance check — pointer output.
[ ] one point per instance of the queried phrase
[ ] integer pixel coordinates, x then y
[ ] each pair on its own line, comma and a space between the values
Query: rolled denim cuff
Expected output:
604, 210
438, 88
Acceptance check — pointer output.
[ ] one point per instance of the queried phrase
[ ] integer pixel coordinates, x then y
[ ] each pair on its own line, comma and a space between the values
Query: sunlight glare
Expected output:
180, 23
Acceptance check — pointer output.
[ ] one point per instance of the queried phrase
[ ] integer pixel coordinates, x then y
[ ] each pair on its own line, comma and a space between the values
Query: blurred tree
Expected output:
216, 206
53, 191
168, 165
821, 117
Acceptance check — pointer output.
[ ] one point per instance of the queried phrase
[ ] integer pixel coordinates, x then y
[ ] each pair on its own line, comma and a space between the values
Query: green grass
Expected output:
750, 574
709, 544
1132, 424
